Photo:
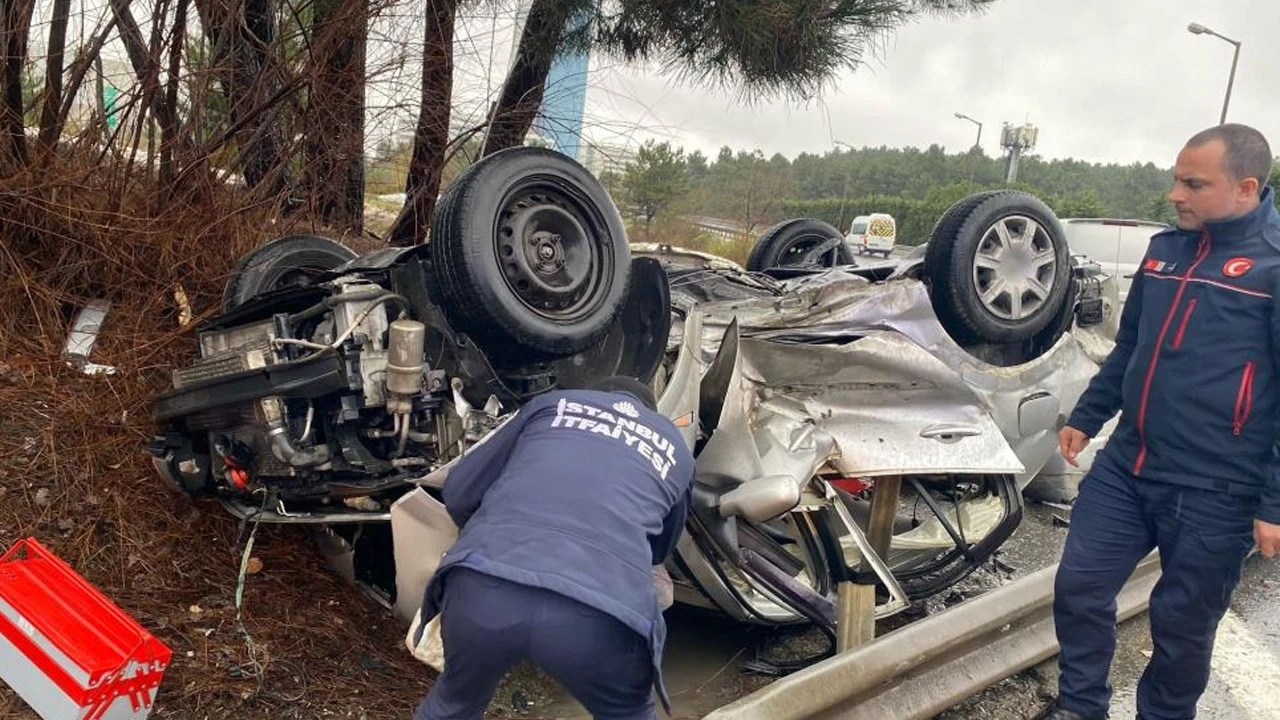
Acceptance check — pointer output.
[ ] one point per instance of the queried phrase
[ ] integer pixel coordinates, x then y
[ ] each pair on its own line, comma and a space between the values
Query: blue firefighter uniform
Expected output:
563, 512
1190, 465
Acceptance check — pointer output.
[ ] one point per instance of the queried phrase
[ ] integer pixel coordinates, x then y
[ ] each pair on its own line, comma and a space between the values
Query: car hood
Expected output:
870, 365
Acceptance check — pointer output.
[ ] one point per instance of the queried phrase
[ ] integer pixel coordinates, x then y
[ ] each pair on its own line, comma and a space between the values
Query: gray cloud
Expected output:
1105, 81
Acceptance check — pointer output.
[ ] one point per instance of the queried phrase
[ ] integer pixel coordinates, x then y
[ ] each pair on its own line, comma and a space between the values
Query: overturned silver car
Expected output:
334, 386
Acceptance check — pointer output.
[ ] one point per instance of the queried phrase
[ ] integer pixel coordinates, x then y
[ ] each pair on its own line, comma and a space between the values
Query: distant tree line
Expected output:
915, 186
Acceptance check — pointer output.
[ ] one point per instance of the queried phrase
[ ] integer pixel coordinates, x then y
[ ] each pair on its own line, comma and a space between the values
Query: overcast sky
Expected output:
1104, 80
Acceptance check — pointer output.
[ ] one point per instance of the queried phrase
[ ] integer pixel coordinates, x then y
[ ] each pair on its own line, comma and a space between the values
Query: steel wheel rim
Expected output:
793, 253
1015, 268
545, 246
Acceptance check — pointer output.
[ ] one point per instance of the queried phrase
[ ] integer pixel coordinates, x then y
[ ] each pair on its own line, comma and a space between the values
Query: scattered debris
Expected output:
83, 336
1003, 566
42, 497
1060, 521
184, 305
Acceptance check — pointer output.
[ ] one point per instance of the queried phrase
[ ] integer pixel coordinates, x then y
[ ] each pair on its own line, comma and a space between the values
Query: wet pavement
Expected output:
1246, 665
703, 663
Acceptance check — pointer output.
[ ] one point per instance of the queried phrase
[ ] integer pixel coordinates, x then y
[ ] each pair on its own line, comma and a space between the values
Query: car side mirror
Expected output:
761, 499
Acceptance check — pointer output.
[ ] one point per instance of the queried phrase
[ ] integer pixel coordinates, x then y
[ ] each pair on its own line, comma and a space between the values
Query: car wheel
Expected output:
528, 250
998, 268
799, 243
291, 260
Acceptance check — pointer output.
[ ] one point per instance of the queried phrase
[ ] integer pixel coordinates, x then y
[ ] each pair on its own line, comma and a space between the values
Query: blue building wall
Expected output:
563, 101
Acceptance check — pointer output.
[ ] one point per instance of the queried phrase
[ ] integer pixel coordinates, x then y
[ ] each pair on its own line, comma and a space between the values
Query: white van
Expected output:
1116, 245
873, 234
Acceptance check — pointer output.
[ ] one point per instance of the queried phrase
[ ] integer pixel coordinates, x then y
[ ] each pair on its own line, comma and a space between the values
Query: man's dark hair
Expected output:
1247, 156
622, 383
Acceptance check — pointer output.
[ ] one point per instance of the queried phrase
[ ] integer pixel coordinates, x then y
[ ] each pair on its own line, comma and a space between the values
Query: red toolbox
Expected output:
66, 649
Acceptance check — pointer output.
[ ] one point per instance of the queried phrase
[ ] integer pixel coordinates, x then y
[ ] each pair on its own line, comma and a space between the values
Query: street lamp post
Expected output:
976, 143
844, 193
1198, 29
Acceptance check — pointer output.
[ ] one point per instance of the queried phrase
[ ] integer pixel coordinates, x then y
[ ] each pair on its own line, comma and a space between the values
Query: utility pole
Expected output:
1016, 140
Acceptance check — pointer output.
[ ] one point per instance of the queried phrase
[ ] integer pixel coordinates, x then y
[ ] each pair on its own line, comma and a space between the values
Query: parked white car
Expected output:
1116, 245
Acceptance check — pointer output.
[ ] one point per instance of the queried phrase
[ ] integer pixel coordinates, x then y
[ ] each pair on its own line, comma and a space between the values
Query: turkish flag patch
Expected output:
1237, 266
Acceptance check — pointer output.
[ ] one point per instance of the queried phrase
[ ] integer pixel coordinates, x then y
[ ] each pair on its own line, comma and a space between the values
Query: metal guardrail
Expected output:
930, 665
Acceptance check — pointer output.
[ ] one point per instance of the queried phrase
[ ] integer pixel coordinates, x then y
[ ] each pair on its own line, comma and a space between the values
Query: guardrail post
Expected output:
855, 603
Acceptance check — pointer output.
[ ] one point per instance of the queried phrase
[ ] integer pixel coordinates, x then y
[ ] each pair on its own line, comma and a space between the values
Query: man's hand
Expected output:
1070, 442
1268, 538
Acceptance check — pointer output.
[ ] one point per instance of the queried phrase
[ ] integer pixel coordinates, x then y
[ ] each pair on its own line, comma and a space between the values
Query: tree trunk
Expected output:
145, 62
241, 33
522, 92
50, 127
15, 25
169, 131
431, 138
335, 113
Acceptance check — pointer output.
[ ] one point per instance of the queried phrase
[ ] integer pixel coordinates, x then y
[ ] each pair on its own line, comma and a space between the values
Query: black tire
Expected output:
528, 250
290, 260
983, 225
784, 244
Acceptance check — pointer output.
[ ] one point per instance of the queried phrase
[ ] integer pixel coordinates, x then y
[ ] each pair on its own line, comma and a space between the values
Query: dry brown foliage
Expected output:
74, 473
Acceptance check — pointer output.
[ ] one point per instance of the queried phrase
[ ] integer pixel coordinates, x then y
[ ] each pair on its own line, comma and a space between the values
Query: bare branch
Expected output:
50, 127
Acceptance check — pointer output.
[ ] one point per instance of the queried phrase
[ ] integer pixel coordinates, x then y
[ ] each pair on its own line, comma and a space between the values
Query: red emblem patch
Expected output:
1235, 267
1152, 264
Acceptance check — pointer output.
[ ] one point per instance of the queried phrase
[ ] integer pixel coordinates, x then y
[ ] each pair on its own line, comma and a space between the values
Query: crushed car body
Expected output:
333, 386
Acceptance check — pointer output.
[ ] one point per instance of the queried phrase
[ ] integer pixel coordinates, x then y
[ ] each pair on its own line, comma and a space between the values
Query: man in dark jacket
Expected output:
563, 512
1191, 468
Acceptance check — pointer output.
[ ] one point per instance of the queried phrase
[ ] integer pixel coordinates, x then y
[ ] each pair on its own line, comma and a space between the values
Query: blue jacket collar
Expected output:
1248, 224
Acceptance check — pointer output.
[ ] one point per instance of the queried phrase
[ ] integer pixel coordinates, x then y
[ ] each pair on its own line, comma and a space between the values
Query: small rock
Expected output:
42, 497
195, 610
254, 566
66, 525
1146, 653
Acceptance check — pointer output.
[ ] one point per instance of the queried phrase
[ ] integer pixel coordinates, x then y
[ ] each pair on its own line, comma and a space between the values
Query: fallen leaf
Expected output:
254, 567
184, 306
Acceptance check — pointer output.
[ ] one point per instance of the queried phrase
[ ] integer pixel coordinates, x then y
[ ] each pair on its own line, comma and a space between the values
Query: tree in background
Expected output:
1275, 181
654, 180
788, 48
333, 166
